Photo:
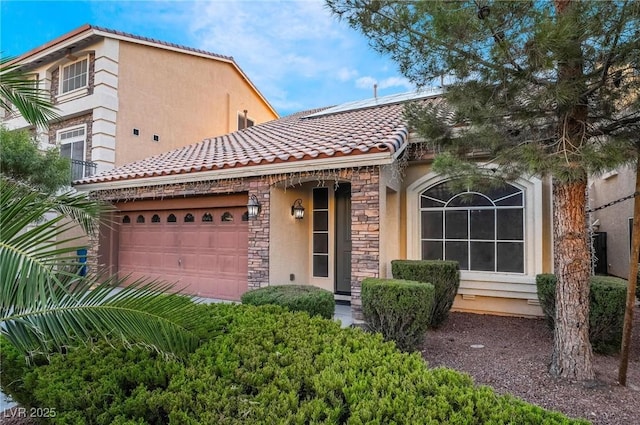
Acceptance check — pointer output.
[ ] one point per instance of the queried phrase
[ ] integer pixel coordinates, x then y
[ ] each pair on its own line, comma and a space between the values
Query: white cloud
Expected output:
392, 82
386, 83
366, 82
346, 74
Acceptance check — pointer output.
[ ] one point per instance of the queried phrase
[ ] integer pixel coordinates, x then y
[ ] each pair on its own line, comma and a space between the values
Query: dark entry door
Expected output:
343, 240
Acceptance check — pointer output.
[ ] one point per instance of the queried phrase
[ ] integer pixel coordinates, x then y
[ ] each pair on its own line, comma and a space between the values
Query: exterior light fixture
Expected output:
253, 207
297, 210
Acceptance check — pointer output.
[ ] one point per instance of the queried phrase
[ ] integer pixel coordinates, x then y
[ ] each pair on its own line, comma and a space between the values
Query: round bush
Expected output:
264, 365
399, 309
313, 300
607, 302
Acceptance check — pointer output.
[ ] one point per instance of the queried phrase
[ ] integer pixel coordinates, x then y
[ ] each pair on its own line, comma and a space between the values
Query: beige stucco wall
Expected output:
390, 222
289, 249
181, 98
614, 220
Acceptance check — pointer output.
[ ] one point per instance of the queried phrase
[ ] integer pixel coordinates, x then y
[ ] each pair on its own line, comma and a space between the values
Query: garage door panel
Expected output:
228, 263
209, 257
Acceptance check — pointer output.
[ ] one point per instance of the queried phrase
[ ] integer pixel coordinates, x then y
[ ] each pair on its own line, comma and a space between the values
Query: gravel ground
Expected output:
515, 360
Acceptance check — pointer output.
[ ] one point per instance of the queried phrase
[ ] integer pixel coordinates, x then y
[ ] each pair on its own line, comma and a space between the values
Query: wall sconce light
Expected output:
253, 207
297, 210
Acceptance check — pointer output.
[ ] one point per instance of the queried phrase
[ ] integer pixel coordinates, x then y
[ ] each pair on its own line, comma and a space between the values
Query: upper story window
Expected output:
72, 143
481, 229
75, 76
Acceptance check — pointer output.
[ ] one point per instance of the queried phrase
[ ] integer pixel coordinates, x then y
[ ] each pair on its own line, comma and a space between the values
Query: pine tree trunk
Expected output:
572, 355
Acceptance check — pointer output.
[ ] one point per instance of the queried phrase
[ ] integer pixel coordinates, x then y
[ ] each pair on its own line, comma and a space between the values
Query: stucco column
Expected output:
365, 232
258, 250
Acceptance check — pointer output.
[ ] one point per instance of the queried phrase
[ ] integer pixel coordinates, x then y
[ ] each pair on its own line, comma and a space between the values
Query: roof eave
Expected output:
354, 161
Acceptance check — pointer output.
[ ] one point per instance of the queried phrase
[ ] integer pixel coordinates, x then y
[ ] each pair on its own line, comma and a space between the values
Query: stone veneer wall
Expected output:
365, 226
82, 119
258, 253
365, 232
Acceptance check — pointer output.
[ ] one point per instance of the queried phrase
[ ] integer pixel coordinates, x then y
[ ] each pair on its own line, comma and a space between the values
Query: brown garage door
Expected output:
204, 249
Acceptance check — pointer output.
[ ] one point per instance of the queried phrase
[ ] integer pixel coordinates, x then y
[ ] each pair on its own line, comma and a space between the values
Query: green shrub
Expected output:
264, 365
443, 275
313, 300
398, 309
606, 308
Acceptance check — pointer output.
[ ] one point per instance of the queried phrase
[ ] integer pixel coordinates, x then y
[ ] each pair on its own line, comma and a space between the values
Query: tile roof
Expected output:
304, 136
164, 43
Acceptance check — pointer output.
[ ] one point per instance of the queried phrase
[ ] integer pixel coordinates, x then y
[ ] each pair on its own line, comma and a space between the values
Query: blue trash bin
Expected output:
82, 259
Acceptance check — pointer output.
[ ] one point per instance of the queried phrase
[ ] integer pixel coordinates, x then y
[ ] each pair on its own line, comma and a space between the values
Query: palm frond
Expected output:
45, 304
28, 98
76, 311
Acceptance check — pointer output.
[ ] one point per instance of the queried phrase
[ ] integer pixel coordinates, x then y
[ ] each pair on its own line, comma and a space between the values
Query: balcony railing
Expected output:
82, 169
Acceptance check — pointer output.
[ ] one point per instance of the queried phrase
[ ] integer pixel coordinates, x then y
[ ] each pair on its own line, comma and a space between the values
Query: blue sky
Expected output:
296, 53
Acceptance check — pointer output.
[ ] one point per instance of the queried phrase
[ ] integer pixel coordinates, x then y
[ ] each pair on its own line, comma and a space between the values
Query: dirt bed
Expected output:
514, 359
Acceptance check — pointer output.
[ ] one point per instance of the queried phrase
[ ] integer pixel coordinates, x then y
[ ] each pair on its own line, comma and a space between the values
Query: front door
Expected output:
343, 240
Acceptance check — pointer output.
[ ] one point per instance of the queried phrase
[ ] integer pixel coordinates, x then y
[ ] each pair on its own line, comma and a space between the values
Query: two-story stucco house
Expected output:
327, 198
122, 97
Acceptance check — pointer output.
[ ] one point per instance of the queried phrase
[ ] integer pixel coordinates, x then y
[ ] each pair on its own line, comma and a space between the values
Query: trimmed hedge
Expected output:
313, 300
264, 365
443, 275
607, 301
399, 309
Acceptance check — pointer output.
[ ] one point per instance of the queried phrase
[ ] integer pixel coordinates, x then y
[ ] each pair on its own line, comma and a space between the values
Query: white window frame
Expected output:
76, 90
469, 239
75, 139
533, 212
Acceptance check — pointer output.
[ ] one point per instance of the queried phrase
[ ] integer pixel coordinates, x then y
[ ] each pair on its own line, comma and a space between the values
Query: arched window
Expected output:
483, 230
155, 218
171, 218
126, 219
189, 218
140, 219
245, 216
207, 217
227, 216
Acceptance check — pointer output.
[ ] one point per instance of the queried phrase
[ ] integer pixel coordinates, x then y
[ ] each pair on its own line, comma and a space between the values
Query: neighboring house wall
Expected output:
614, 220
178, 97
124, 82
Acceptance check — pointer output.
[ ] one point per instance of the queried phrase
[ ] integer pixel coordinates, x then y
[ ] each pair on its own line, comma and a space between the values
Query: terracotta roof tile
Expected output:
304, 136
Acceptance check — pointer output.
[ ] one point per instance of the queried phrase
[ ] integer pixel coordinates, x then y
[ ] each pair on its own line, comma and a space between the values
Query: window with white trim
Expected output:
72, 144
320, 232
74, 76
484, 230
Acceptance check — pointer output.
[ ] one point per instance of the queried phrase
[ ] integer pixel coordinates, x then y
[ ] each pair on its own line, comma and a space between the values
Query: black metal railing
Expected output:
82, 169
